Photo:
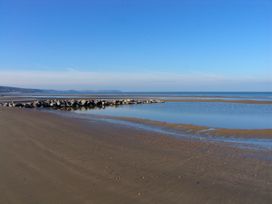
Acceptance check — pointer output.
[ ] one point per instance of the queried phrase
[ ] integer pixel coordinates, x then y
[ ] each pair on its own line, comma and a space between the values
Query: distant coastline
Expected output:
7, 90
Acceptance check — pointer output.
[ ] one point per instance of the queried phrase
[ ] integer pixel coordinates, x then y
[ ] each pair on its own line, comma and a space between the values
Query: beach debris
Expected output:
74, 104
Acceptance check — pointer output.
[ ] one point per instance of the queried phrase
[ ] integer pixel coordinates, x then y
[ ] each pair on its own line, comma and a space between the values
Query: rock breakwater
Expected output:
72, 104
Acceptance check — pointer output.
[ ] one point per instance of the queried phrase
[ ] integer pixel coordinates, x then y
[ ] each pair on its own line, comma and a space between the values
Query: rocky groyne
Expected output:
73, 104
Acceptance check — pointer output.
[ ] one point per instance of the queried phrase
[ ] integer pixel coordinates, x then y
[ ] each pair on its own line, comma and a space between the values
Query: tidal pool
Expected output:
211, 114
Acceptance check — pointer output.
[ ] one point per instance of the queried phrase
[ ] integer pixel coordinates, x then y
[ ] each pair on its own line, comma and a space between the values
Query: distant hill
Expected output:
7, 89
15, 90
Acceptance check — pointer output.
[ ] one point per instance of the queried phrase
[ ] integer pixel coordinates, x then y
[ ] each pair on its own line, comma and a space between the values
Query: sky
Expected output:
141, 45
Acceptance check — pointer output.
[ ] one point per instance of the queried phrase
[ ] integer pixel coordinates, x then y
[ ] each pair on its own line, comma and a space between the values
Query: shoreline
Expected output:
211, 99
46, 158
260, 140
85, 104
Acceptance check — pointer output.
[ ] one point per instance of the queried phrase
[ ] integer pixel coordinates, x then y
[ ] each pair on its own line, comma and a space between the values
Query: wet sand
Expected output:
47, 158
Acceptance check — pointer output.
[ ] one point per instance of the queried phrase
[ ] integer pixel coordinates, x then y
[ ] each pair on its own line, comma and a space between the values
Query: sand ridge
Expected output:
201, 130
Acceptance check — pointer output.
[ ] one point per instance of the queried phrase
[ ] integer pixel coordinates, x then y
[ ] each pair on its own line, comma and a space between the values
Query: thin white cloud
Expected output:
148, 81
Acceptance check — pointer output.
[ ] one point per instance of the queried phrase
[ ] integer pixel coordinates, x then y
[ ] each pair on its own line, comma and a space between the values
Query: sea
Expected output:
263, 96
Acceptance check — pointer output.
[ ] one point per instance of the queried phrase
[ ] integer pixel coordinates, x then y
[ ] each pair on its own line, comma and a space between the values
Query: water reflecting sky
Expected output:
211, 114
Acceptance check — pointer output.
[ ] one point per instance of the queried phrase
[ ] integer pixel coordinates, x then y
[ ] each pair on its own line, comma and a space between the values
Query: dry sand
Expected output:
49, 159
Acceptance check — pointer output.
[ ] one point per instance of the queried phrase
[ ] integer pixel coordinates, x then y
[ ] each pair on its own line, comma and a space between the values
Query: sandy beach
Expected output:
47, 158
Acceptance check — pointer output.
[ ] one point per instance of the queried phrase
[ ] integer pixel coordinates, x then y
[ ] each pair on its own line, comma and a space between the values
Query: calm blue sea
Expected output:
267, 96
220, 94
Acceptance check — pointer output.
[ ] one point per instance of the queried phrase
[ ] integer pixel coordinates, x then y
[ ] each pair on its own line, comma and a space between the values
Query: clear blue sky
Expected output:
137, 45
